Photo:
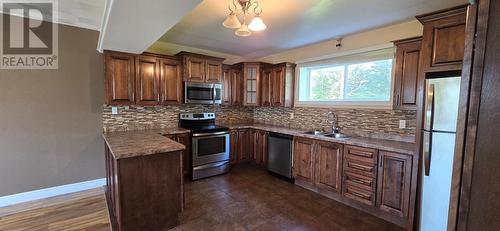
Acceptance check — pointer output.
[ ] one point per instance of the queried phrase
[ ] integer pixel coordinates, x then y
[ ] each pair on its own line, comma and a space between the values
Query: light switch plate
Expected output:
402, 123
292, 115
114, 110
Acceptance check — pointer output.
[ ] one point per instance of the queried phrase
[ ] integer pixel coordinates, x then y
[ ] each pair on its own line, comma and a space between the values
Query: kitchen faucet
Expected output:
332, 118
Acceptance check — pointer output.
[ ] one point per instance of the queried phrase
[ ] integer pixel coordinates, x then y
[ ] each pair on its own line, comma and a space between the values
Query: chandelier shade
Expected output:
257, 24
243, 31
232, 21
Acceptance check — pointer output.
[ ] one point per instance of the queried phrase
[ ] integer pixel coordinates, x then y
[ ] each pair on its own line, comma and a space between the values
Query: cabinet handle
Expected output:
359, 167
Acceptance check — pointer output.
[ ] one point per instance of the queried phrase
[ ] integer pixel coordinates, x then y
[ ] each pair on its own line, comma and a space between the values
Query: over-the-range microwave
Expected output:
202, 93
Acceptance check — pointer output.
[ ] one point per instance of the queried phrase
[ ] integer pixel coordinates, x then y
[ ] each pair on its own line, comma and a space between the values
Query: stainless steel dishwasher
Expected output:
279, 154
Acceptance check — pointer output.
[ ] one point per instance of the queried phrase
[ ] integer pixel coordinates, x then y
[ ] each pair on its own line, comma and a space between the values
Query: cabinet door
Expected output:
236, 87
120, 78
213, 72
265, 87
303, 160
443, 40
245, 145
186, 155
393, 182
147, 76
233, 147
194, 69
170, 81
250, 83
407, 67
278, 87
328, 166
226, 85
260, 147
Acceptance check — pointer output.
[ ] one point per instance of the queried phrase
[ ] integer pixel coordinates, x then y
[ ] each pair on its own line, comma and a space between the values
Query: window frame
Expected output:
346, 103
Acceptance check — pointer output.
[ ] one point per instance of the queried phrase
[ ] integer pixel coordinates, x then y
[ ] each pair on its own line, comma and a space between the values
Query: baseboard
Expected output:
50, 192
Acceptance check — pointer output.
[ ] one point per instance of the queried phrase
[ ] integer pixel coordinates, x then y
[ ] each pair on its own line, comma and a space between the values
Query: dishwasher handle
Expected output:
279, 135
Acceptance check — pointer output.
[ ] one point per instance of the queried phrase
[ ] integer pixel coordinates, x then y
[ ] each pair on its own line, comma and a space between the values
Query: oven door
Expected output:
210, 148
202, 93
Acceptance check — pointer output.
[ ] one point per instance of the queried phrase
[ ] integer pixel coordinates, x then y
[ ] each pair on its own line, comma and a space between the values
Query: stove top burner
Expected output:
205, 128
200, 122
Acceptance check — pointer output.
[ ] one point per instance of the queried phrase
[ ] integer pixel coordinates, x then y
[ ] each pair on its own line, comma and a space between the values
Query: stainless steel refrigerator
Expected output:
441, 111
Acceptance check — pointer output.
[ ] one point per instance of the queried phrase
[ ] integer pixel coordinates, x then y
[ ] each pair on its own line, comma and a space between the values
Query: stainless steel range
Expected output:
210, 144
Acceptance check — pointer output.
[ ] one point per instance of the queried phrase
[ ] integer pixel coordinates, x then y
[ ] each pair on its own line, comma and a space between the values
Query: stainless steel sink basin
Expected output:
315, 132
338, 136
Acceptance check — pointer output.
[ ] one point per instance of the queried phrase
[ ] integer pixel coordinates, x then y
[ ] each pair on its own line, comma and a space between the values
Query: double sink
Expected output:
332, 135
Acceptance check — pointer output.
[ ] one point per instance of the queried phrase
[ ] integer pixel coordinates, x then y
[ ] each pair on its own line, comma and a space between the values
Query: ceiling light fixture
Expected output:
243, 7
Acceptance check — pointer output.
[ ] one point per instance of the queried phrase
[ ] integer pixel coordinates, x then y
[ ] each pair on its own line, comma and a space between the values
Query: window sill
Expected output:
346, 105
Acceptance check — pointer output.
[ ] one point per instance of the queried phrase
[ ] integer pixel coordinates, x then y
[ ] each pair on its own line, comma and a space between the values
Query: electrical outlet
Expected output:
114, 110
292, 115
402, 123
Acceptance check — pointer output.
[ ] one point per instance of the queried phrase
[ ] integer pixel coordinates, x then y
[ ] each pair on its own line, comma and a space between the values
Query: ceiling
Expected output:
293, 23
80, 13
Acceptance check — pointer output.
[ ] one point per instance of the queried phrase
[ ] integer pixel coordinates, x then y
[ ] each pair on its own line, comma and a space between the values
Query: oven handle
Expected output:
210, 134
213, 165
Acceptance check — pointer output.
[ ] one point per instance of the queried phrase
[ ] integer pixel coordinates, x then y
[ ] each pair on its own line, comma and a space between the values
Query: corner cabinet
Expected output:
145, 79
443, 39
201, 68
278, 85
251, 72
406, 73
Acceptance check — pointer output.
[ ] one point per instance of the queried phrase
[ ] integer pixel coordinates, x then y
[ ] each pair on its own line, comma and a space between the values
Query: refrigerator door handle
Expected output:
427, 152
429, 108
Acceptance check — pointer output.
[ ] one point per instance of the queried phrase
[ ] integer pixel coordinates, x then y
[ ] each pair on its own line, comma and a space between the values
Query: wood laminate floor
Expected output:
245, 199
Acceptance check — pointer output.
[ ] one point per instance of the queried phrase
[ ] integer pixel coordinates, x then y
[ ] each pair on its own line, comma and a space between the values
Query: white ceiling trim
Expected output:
345, 53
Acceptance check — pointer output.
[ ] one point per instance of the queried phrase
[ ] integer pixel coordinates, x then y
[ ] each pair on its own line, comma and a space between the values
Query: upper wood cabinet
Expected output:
119, 78
147, 77
394, 180
201, 68
236, 87
265, 87
406, 73
226, 85
443, 40
251, 72
171, 81
281, 84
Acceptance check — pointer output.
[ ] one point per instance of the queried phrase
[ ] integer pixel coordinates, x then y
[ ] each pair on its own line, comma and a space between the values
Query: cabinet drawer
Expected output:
359, 181
360, 195
360, 167
362, 154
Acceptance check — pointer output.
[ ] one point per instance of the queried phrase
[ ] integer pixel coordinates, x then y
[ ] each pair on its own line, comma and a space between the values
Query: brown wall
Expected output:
51, 120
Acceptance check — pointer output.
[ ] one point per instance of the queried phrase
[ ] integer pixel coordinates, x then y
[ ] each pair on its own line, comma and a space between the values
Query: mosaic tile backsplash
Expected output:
361, 122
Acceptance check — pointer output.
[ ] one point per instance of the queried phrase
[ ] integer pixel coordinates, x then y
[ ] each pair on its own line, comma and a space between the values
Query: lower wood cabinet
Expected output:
245, 145
186, 154
248, 145
317, 164
144, 192
260, 147
233, 146
394, 178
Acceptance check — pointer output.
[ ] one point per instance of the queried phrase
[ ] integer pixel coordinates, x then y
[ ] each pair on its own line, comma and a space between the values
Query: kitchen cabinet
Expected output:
406, 73
328, 166
359, 174
265, 87
171, 81
201, 68
260, 147
147, 79
317, 164
233, 146
394, 180
443, 39
119, 78
236, 87
245, 145
144, 192
251, 72
186, 154
277, 85
226, 85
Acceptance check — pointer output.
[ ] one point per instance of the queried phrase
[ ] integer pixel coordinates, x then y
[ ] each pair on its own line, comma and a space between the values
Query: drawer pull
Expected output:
361, 153
360, 167
360, 181
366, 197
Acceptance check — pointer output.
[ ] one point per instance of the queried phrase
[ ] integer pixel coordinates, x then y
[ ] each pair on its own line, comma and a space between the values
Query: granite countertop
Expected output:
381, 144
129, 144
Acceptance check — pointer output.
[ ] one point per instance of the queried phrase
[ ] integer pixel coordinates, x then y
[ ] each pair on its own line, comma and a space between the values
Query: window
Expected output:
348, 81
